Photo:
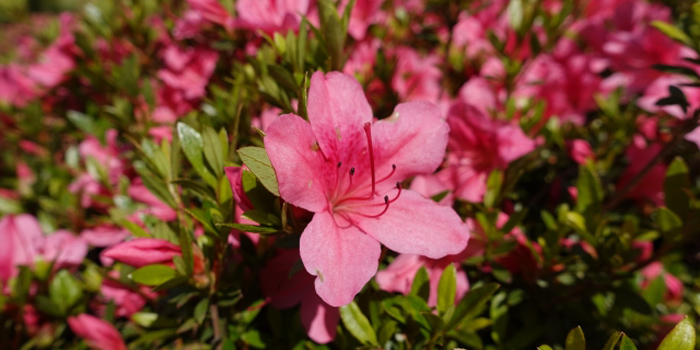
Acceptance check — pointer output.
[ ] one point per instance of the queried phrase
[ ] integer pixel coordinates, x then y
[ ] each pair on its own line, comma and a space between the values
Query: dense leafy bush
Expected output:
398, 174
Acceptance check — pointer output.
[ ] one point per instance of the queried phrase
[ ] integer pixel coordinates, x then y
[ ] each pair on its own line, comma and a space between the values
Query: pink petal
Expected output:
143, 251
399, 275
99, 334
233, 173
290, 143
65, 248
319, 319
284, 287
342, 259
413, 138
416, 225
338, 109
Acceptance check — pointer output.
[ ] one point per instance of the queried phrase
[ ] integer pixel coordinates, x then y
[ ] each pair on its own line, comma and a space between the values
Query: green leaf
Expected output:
590, 195
332, 31
677, 187
213, 150
472, 304
153, 275
612, 341
357, 324
493, 187
544, 347
248, 228
672, 31
253, 338
575, 340
256, 159
154, 184
667, 220
447, 288
682, 337
65, 290
200, 310
421, 284
627, 343
193, 145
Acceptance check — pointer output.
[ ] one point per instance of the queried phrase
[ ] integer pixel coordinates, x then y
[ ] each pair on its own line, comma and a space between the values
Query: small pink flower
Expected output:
347, 170
650, 187
580, 151
286, 286
64, 249
104, 235
416, 78
141, 252
478, 145
674, 287
154, 206
271, 15
98, 334
399, 275
22, 243
365, 13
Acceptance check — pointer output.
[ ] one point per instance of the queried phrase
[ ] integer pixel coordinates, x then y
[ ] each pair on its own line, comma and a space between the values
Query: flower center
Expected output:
353, 198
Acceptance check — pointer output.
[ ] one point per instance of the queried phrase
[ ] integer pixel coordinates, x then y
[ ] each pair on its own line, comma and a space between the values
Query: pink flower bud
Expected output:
97, 333
142, 251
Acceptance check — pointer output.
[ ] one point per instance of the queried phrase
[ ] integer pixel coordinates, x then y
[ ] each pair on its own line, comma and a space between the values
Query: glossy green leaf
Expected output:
612, 341
627, 343
493, 187
200, 310
421, 284
153, 275
575, 340
256, 159
192, 144
544, 347
472, 304
667, 220
213, 150
357, 324
682, 337
65, 290
447, 288
672, 31
248, 228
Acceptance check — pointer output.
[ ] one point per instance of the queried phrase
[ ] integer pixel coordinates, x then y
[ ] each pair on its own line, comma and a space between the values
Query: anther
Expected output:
386, 207
352, 171
393, 170
398, 187
339, 164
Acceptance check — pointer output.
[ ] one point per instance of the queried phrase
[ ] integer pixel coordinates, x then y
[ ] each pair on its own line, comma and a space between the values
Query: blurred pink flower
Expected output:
141, 252
271, 15
348, 172
285, 283
154, 206
22, 242
127, 300
416, 78
650, 187
399, 275
674, 287
97, 333
580, 151
479, 144
104, 235
365, 13
64, 249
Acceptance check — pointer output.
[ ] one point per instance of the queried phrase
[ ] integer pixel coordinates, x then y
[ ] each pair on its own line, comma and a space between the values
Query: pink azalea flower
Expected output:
212, 11
674, 287
285, 289
126, 300
362, 59
154, 206
22, 242
15, 87
650, 187
141, 252
478, 145
104, 235
348, 171
416, 78
658, 89
97, 333
188, 70
271, 15
399, 275
580, 151
64, 249
365, 13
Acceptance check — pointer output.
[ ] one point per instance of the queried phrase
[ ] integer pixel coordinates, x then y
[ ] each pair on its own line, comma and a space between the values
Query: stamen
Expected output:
393, 170
386, 207
368, 132
339, 164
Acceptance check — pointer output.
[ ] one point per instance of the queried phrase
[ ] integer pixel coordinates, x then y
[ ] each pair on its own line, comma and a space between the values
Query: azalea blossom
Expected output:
98, 334
348, 171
